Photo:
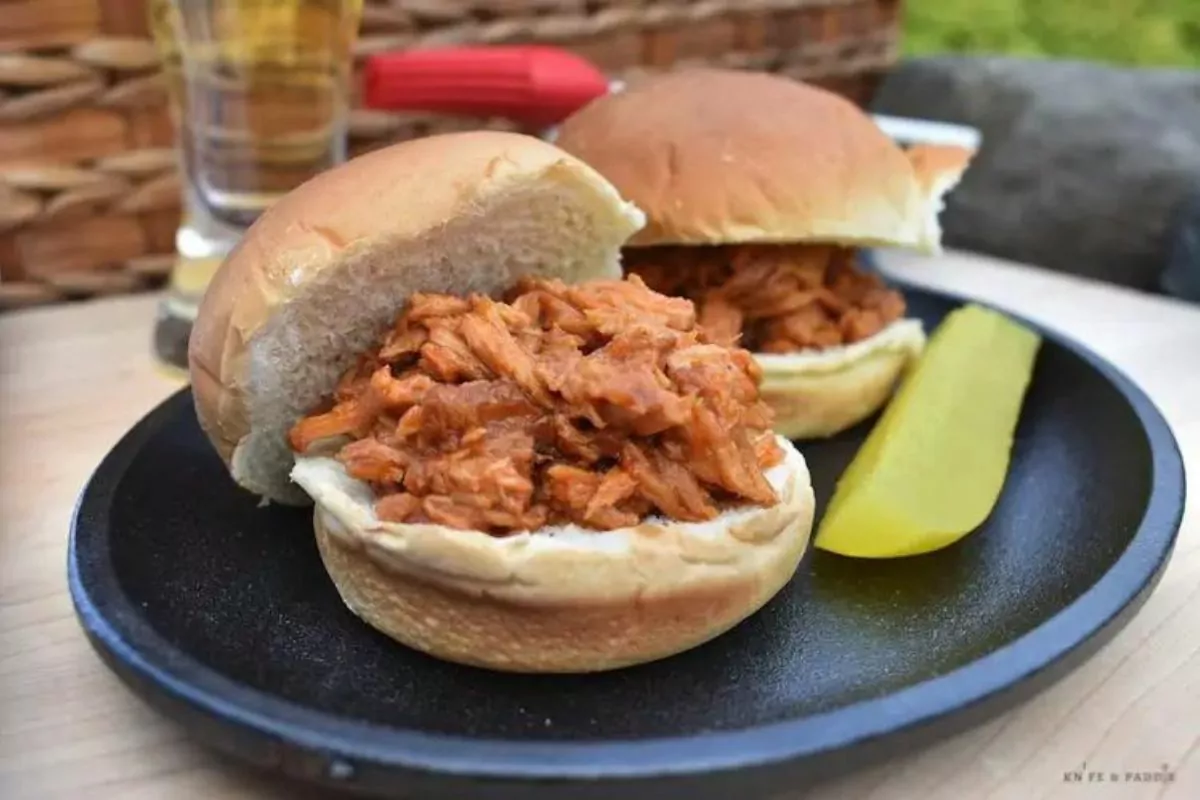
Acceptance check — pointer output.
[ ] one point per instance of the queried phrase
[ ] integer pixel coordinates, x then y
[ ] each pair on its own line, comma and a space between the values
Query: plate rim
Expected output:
124, 639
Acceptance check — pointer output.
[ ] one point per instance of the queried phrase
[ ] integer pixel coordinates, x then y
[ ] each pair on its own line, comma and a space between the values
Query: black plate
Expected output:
218, 612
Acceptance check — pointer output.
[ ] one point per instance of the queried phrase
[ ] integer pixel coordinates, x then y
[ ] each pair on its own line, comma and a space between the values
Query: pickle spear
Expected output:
932, 468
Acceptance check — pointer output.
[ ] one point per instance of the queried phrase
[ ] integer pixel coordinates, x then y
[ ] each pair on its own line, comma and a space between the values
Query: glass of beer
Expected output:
259, 96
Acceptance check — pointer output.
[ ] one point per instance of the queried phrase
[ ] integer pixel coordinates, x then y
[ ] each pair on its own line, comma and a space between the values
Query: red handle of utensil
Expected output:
533, 84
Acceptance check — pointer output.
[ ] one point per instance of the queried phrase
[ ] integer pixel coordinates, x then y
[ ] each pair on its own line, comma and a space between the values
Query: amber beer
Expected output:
259, 96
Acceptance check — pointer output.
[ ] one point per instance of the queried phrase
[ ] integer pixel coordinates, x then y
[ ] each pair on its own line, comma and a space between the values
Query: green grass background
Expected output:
1142, 32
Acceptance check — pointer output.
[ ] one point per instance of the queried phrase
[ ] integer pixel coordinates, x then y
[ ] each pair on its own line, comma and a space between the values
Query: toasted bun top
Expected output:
722, 156
328, 267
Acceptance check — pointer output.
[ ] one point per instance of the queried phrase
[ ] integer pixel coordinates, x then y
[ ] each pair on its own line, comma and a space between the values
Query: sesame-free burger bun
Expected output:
558, 599
725, 156
325, 270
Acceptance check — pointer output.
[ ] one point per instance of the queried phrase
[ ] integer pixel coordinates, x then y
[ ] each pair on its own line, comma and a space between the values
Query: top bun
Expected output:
725, 157
328, 267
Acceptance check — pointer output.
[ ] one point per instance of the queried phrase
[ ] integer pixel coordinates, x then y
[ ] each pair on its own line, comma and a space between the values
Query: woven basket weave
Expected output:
89, 196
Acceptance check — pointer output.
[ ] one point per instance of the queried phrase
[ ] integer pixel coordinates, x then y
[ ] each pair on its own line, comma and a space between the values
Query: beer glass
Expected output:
259, 96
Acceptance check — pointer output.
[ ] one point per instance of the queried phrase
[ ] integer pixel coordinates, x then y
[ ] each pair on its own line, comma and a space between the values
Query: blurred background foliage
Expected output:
1142, 32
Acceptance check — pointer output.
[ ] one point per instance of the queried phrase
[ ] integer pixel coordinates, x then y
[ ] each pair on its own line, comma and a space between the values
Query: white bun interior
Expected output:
323, 273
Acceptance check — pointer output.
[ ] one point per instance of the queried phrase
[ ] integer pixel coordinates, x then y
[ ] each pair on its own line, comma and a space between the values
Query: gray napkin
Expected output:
1181, 277
1083, 168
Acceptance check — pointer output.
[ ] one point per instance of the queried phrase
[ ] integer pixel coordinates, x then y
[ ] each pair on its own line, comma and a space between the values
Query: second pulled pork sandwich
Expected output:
519, 459
758, 190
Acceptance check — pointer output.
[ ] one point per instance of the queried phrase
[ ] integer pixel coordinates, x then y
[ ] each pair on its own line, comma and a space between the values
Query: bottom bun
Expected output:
819, 394
560, 599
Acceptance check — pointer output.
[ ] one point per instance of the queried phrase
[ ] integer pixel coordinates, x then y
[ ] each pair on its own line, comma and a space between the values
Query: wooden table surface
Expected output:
73, 379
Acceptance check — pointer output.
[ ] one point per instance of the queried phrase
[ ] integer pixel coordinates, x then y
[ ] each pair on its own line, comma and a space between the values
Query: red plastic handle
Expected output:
537, 85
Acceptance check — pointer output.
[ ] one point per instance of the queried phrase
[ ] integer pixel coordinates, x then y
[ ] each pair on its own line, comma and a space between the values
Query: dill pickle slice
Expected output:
932, 468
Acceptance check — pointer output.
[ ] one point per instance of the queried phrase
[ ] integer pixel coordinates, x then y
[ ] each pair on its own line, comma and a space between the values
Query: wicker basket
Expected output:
89, 197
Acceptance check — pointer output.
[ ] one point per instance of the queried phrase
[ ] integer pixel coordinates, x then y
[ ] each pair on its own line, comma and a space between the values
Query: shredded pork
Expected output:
597, 404
772, 298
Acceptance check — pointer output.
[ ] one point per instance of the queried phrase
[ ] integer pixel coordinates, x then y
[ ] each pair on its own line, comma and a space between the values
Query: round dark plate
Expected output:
217, 611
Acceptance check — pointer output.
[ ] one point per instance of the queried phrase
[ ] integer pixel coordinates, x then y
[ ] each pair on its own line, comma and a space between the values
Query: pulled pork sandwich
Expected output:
519, 459
758, 189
